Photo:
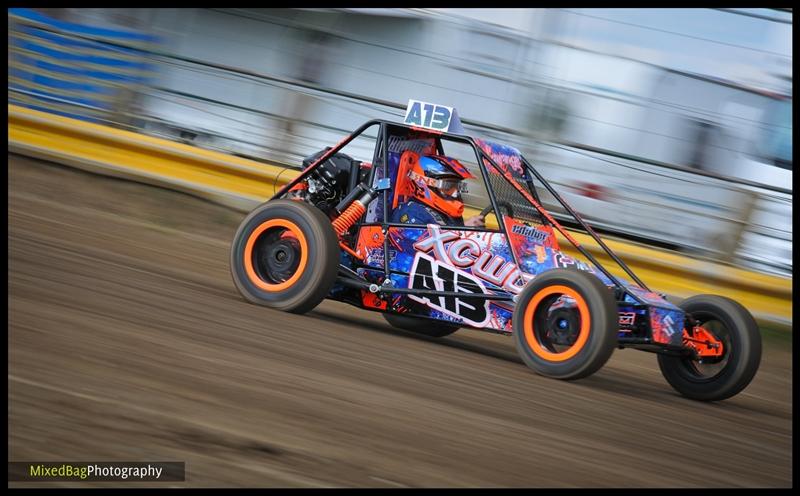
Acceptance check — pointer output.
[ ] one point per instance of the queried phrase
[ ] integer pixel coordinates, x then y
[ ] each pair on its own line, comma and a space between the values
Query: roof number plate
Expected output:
431, 116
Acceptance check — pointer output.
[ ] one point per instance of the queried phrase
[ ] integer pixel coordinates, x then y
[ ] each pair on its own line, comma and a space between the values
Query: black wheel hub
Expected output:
277, 258
563, 326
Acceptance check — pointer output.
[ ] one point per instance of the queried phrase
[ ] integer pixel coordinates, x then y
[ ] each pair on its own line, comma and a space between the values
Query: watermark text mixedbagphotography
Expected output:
96, 471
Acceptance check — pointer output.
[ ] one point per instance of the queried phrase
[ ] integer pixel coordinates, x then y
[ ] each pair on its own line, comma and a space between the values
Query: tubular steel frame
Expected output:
381, 157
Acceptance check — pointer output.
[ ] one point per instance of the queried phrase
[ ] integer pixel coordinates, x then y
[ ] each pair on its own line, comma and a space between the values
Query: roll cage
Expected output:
521, 183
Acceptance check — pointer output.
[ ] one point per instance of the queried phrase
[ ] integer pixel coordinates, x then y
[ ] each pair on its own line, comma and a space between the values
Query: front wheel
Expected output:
285, 255
728, 367
565, 324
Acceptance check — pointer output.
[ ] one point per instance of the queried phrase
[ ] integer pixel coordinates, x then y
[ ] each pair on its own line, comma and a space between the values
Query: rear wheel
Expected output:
285, 255
728, 367
427, 327
565, 324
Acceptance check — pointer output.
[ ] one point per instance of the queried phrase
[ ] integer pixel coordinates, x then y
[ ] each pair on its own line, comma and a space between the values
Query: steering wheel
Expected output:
501, 203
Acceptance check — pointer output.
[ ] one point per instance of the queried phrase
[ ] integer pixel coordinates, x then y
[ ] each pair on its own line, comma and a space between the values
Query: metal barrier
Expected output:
242, 183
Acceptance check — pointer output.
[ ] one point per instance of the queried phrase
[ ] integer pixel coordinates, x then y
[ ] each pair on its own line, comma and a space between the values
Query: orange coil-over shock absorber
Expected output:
352, 213
349, 217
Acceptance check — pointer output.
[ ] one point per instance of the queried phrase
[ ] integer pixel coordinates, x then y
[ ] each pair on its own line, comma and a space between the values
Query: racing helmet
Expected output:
435, 180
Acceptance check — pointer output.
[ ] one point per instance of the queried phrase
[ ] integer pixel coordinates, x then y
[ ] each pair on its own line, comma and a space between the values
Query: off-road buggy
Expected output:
328, 234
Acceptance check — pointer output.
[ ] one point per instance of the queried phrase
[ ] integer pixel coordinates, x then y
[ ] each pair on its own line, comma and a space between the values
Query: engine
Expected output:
331, 181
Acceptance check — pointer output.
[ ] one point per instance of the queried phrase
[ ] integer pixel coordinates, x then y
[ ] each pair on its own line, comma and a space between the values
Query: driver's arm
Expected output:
476, 221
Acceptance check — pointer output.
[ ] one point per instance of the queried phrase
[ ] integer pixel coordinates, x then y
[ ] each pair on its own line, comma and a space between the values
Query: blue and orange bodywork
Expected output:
471, 276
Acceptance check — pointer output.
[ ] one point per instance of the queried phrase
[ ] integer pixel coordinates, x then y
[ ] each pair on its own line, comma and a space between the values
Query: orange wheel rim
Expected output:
530, 331
248, 255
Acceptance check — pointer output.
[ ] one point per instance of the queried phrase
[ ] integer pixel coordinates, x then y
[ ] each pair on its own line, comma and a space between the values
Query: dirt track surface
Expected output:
128, 341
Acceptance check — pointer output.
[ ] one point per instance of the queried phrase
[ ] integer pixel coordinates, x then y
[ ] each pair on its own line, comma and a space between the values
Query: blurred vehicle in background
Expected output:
649, 152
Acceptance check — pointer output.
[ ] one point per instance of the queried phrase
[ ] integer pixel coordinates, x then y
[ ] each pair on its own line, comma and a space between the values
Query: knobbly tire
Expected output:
565, 324
285, 255
721, 377
426, 327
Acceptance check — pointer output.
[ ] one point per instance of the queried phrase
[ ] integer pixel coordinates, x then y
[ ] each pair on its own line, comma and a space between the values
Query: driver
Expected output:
428, 191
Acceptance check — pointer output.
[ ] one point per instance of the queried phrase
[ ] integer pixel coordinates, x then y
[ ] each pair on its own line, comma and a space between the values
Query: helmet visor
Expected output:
451, 188
447, 186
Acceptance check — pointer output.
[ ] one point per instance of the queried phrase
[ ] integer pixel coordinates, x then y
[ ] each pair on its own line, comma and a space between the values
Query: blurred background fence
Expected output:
650, 140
